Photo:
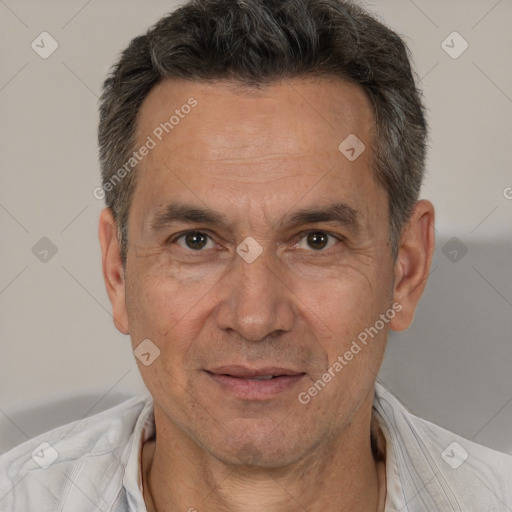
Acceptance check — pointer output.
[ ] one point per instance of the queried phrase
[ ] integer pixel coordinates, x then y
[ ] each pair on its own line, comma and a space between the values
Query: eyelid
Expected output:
177, 236
302, 234
326, 231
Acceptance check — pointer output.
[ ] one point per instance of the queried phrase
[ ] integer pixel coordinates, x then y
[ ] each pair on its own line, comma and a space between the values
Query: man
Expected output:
261, 164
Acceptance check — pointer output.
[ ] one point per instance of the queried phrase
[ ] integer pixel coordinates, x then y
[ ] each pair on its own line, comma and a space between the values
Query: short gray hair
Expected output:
257, 42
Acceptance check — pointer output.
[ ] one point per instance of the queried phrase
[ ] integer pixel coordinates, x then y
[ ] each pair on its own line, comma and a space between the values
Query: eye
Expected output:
317, 240
195, 240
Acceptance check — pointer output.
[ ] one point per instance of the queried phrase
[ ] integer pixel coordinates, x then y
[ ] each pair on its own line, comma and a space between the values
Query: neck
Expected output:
340, 474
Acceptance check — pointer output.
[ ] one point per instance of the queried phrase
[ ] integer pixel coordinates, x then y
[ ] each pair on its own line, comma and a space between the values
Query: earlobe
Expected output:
113, 272
412, 266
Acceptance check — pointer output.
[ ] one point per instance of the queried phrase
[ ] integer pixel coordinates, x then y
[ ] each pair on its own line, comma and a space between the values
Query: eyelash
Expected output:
299, 237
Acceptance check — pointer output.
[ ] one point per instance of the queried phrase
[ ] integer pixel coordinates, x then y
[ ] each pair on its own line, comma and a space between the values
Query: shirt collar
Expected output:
132, 481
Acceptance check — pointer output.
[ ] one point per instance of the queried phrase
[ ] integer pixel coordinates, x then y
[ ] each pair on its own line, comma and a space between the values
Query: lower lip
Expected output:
256, 389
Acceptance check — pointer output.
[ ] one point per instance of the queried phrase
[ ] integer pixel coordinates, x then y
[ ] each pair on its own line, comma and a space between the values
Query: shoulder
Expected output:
442, 468
38, 474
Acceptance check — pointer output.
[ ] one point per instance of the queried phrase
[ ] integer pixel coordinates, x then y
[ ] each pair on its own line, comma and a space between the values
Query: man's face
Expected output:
222, 317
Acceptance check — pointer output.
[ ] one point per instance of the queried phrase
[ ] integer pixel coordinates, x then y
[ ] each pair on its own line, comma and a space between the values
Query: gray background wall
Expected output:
61, 356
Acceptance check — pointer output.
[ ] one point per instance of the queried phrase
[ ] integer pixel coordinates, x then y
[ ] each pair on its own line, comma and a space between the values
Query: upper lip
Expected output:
244, 372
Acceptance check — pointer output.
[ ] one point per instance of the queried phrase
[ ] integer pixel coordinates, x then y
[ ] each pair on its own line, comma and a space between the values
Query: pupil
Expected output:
317, 240
195, 240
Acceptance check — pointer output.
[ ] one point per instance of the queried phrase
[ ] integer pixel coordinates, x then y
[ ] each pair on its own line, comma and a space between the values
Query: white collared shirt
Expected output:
94, 465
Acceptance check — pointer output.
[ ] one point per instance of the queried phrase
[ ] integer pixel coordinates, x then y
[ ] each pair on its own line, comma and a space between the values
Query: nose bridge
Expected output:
256, 303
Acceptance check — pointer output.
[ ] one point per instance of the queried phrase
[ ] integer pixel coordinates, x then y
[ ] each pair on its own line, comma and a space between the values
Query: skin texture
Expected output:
255, 157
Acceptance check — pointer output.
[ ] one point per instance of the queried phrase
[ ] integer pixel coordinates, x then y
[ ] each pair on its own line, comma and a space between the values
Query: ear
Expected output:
412, 266
113, 272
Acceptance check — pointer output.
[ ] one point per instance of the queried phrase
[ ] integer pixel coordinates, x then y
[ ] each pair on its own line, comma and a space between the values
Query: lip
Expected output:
237, 381
243, 372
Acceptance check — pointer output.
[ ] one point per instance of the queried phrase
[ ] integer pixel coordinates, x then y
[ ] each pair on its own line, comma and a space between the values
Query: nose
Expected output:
257, 301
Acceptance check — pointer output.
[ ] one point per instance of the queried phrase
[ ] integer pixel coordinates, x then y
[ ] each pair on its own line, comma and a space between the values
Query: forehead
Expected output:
291, 116
279, 141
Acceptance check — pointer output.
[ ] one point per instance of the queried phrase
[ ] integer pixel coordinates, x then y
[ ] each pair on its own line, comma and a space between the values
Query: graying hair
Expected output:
254, 43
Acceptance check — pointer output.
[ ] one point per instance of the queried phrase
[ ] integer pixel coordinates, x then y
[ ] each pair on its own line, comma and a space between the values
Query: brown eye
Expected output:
317, 240
194, 240
320, 241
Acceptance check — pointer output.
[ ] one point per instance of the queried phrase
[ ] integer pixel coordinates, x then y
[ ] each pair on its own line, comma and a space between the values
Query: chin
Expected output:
270, 451
251, 456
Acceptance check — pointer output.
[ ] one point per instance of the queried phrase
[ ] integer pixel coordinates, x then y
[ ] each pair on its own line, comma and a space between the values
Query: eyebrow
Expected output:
336, 213
180, 212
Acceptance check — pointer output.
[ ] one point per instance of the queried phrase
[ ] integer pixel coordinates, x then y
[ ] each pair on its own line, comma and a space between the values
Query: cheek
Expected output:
161, 310
346, 310
343, 313
345, 301
160, 295
168, 308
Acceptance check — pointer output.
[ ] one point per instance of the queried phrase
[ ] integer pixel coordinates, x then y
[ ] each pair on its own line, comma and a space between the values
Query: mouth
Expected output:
255, 383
